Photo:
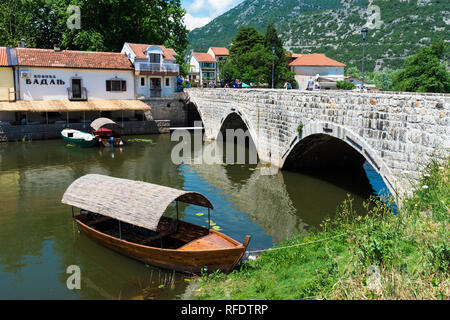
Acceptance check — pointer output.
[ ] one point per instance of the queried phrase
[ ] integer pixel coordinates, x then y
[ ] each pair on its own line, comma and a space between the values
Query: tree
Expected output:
424, 72
35, 21
105, 24
251, 57
281, 69
245, 40
353, 71
383, 80
248, 59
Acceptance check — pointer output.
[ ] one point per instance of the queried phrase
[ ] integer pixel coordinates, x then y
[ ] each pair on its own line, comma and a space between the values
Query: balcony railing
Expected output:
158, 67
77, 96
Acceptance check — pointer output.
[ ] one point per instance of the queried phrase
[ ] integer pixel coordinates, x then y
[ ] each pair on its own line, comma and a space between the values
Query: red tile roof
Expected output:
139, 49
172, 52
3, 57
315, 59
219, 51
72, 59
203, 57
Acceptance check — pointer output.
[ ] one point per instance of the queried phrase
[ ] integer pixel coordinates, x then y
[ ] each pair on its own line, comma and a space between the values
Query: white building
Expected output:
220, 54
67, 84
156, 70
73, 75
203, 68
308, 66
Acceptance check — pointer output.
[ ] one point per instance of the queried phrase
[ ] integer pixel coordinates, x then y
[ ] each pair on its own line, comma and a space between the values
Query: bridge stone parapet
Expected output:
397, 133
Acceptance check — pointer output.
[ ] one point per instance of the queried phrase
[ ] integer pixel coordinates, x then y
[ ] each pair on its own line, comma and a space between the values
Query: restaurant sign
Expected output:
45, 79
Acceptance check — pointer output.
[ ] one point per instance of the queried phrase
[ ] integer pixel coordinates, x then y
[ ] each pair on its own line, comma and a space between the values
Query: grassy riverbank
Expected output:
376, 256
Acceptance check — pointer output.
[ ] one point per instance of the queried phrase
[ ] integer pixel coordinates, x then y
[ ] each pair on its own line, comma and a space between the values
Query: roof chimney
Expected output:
21, 43
57, 48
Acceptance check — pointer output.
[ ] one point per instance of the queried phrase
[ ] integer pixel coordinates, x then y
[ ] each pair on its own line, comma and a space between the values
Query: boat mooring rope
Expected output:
248, 254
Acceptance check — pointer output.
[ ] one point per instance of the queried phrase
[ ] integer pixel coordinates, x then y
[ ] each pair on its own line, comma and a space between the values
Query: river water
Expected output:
38, 240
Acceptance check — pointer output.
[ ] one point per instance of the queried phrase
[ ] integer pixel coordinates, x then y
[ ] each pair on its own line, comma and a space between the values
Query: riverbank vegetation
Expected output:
380, 255
425, 71
92, 25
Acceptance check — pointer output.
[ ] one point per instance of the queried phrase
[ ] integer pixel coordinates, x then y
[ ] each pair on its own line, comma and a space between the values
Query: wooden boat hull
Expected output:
80, 142
181, 260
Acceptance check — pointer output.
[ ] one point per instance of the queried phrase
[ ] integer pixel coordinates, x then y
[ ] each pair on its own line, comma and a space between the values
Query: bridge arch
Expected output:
343, 147
193, 114
235, 119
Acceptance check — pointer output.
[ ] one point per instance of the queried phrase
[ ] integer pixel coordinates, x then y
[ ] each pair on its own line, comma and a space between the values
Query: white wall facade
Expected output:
304, 73
144, 90
53, 83
194, 65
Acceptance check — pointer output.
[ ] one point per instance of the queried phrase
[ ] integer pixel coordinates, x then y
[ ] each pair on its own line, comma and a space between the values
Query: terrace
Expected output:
145, 68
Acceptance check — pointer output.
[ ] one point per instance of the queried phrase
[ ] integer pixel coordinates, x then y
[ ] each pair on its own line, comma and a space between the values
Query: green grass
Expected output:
376, 256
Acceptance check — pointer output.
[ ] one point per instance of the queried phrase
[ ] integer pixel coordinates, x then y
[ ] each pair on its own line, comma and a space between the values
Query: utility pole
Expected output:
273, 67
364, 36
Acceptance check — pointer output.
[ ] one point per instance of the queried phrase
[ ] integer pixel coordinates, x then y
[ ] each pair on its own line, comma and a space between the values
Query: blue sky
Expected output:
200, 12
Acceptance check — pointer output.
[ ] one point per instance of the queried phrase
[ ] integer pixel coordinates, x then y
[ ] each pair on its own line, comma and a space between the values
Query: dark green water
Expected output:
38, 241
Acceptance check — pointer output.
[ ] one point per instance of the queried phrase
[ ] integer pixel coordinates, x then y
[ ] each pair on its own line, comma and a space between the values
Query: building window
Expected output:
154, 58
167, 82
142, 81
116, 85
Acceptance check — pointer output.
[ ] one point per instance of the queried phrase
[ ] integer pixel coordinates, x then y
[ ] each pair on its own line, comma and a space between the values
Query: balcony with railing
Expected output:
210, 66
157, 68
77, 95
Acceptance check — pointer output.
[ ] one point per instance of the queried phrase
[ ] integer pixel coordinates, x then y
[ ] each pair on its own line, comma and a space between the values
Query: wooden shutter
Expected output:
108, 85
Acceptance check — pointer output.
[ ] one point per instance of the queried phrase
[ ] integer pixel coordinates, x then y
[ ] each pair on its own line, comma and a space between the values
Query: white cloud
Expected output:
193, 22
201, 12
196, 6
220, 6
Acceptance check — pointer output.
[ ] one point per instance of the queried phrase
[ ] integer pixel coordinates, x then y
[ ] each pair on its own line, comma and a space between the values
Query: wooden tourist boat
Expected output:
127, 216
78, 138
107, 132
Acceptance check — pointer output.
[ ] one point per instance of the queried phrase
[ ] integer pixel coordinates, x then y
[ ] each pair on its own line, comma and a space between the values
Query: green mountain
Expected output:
397, 27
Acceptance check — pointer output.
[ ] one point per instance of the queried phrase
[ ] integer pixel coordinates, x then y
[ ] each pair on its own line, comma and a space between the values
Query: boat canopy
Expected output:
136, 202
101, 122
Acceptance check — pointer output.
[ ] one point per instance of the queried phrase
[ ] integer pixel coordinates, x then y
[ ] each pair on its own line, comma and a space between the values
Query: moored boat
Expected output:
127, 216
78, 138
107, 132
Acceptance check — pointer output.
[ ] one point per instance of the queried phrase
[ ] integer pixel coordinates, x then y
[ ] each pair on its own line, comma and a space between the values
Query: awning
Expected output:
139, 203
100, 122
72, 106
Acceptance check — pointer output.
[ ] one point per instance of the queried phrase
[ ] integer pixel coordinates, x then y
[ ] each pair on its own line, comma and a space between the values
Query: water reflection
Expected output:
38, 241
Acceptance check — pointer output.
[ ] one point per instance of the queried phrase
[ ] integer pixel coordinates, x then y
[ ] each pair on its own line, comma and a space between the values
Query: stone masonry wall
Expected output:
168, 108
397, 133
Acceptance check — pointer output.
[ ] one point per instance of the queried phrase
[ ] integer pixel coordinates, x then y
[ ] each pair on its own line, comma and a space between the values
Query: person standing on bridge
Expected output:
310, 85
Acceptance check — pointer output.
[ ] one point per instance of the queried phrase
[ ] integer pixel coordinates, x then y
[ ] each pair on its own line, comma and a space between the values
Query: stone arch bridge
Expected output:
397, 133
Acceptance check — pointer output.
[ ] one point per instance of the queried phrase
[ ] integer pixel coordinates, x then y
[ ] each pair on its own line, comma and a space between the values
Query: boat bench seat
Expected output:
209, 242
164, 233
99, 220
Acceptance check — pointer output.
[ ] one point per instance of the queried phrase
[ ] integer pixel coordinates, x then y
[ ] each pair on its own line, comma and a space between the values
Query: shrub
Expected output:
344, 85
